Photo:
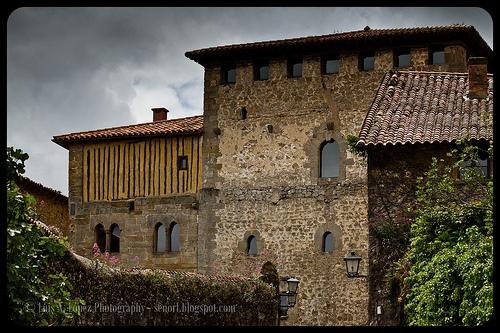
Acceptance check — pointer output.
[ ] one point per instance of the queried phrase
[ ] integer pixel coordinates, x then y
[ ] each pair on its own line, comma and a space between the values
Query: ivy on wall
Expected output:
450, 280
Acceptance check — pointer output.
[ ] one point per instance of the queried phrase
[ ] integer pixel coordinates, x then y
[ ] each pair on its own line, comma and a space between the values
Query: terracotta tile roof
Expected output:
367, 38
32, 187
419, 107
180, 126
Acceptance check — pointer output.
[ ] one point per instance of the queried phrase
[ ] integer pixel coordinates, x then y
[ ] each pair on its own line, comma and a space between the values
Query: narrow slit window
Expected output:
330, 159
244, 113
100, 237
327, 242
160, 238
252, 246
174, 238
115, 238
183, 163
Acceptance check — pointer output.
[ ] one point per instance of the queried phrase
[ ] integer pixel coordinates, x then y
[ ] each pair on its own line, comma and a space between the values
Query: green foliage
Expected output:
352, 145
450, 280
15, 163
166, 298
35, 297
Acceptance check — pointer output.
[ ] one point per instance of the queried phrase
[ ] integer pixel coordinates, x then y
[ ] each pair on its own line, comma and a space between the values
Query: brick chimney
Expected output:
478, 79
159, 114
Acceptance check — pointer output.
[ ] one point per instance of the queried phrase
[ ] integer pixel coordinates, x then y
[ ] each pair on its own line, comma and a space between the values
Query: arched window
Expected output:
252, 246
327, 242
115, 238
330, 159
100, 237
174, 243
160, 238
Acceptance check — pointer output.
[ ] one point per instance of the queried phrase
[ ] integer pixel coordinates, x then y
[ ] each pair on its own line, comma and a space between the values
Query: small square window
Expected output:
331, 65
229, 74
367, 62
182, 163
261, 71
402, 58
436, 56
295, 68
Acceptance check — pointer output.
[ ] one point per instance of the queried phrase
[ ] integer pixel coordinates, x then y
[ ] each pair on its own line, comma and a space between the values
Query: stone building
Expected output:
133, 191
51, 205
269, 176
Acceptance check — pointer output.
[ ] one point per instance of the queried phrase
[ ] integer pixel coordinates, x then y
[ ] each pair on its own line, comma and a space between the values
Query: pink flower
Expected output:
95, 250
113, 260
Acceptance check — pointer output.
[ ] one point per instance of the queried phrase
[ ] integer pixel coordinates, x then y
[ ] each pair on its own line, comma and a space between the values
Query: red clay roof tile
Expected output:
420, 107
172, 127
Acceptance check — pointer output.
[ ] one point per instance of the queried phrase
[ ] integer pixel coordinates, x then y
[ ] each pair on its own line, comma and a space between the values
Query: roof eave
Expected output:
66, 143
467, 35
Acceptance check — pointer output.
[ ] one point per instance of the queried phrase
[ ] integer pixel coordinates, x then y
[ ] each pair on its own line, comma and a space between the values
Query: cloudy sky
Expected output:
76, 69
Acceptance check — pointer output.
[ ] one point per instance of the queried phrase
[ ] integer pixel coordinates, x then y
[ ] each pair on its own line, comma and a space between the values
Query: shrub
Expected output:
121, 296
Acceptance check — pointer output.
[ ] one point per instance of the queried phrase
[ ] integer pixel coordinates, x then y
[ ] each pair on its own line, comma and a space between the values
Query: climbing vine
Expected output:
450, 276
352, 144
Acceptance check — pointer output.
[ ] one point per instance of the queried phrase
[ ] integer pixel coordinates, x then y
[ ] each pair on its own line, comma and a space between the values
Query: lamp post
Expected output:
352, 265
287, 298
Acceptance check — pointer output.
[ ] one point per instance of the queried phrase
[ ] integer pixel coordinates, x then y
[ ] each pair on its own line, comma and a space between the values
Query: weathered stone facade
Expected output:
266, 183
261, 157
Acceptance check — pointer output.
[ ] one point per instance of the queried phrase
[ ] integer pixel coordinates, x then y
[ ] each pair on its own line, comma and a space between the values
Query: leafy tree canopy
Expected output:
36, 295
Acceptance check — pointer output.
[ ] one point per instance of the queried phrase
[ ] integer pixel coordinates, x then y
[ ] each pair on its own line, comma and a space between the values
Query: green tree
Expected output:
36, 294
450, 280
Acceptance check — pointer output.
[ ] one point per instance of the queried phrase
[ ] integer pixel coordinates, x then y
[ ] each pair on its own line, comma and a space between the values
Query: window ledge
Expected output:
166, 254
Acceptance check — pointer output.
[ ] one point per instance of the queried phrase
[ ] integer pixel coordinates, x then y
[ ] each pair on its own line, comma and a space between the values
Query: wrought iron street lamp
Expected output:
288, 298
293, 284
352, 264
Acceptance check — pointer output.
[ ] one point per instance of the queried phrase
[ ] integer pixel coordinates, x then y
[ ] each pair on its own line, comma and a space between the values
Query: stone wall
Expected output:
137, 224
51, 206
261, 178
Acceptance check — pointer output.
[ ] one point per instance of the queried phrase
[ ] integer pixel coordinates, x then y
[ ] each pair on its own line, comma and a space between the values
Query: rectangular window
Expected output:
228, 74
261, 71
294, 67
330, 65
182, 163
436, 56
366, 62
479, 164
402, 58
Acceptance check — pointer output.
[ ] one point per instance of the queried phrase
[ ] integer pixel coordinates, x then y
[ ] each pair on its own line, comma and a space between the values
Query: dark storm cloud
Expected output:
74, 69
